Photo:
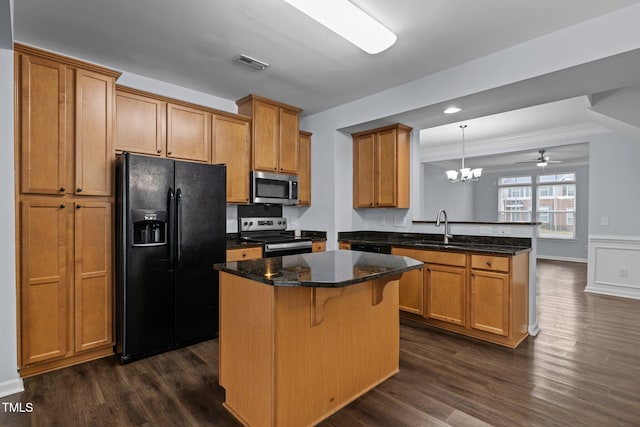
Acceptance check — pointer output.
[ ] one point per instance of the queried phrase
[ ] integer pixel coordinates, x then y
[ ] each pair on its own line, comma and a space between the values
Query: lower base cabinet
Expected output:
482, 296
66, 290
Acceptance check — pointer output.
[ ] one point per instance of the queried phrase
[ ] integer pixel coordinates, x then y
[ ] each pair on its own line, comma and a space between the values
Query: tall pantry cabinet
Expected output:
64, 158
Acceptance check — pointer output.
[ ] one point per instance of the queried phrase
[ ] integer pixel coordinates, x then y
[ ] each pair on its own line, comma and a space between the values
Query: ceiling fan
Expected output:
542, 160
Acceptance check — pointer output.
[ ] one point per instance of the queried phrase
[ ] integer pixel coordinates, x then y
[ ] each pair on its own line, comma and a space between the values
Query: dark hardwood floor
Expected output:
582, 369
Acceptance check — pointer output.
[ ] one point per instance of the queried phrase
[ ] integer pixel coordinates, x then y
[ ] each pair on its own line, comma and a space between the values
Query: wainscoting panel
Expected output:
614, 266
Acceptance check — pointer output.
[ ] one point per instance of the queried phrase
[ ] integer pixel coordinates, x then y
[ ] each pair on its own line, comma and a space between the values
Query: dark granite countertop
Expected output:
459, 243
333, 269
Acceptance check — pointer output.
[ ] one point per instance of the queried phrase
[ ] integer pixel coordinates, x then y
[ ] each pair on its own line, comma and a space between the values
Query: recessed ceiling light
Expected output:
250, 62
349, 22
452, 110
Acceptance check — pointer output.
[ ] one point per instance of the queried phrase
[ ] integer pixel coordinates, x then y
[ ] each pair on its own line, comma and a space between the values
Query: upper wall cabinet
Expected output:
231, 142
274, 135
381, 162
65, 118
140, 123
304, 167
155, 125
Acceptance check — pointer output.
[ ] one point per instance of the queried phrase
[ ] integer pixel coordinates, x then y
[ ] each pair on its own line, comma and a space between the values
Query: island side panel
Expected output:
320, 369
246, 349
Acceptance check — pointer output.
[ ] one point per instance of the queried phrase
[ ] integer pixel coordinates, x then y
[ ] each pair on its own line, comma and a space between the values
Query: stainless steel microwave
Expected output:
274, 188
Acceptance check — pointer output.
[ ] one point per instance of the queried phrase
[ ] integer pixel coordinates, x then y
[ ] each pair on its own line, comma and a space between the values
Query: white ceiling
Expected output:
191, 43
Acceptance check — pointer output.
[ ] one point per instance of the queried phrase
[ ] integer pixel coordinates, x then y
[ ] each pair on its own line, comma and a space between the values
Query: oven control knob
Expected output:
250, 223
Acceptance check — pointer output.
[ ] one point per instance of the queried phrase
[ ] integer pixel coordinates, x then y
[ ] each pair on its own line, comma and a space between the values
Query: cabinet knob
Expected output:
62, 206
78, 206
61, 189
78, 190
244, 255
488, 263
159, 151
429, 270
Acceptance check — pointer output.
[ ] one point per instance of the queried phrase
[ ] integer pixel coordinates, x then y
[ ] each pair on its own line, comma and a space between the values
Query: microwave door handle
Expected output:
290, 190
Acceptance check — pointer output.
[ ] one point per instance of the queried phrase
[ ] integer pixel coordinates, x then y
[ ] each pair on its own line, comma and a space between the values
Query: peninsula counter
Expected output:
301, 336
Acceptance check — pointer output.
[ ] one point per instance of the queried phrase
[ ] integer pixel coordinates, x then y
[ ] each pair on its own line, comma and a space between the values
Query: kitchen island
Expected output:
301, 336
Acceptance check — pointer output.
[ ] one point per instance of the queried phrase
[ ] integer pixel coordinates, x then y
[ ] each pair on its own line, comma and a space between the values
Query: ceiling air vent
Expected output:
250, 62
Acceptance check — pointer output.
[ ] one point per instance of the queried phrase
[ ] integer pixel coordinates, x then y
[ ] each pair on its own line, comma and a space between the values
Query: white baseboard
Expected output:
562, 258
534, 329
11, 387
614, 266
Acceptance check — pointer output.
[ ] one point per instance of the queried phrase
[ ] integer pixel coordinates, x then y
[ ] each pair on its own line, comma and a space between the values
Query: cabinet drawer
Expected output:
319, 246
244, 254
488, 262
439, 257
344, 245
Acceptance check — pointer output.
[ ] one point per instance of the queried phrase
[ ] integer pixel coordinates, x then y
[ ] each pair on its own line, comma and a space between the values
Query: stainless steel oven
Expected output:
274, 188
271, 232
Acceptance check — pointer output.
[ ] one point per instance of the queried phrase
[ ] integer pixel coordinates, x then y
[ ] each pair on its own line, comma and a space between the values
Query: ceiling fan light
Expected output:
349, 22
542, 164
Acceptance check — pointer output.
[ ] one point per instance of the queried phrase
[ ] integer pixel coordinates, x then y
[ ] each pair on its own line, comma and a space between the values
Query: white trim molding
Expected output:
562, 258
614, 266
11, 387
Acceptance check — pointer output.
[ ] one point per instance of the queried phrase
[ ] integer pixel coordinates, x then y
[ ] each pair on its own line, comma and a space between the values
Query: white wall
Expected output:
438, 193
614, 249
10, 381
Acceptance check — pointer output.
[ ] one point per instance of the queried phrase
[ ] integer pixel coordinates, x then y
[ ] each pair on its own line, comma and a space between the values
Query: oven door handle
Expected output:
270, 247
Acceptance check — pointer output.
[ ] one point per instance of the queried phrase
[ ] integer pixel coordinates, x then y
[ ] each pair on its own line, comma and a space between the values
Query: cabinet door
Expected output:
42, 126
490, 302
363, 171
93, 269
188, 133
43, 282
231, 146
94, 133
139, 124
265, 136
304, 169
386, 173
288, 143
411, 289
446, 293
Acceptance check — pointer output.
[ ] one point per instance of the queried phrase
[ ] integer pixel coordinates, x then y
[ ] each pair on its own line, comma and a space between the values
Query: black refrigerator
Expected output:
170, 230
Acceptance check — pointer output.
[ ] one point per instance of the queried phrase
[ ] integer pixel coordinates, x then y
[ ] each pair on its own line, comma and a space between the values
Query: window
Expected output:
514, 199
555, 204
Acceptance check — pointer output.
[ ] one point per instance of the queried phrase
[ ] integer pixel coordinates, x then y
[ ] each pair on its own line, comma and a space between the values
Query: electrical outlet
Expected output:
623, 272
398, 222
383, 220
504, 230
604, 220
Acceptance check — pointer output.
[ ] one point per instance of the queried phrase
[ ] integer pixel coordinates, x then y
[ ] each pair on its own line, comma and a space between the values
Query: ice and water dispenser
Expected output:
149, 227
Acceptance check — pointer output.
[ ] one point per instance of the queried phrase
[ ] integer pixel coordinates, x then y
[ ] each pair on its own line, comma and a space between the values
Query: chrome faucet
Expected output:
447, 231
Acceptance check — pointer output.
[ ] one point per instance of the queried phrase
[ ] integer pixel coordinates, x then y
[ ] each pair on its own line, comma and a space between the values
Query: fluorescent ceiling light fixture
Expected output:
349, 22
452, 110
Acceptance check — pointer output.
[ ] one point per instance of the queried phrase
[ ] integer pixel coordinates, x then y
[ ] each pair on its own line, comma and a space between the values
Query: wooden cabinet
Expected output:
344, 245
490, 294
188, 133
274, 135
411, 288
231, 146
381, 167
93, 281
154, 125
319, 246
483, 296
94, 133
44, 286
66, 119
304, 168
64, 127
140, 123
243, 254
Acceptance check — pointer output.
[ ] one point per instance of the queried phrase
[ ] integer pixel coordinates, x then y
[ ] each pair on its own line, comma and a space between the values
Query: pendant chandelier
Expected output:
464, 174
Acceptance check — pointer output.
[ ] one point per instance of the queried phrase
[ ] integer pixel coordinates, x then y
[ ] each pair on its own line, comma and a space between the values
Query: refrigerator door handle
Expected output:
179, 225
171, 244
